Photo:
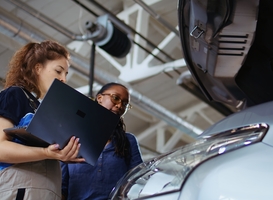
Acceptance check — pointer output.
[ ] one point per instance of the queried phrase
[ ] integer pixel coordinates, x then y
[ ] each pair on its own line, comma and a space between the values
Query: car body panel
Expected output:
262, 113
244, 174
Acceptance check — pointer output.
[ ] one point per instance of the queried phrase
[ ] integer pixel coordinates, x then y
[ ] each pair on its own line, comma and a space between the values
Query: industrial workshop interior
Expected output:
200, 78
168, 109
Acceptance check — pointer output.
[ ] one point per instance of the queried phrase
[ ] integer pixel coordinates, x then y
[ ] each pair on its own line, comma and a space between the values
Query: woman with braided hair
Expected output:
121, 153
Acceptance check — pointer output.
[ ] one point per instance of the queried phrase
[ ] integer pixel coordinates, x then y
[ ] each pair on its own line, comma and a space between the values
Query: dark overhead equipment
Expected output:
108, 37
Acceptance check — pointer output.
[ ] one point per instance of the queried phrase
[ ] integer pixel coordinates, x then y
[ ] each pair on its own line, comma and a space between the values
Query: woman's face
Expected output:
115, 91
49, 71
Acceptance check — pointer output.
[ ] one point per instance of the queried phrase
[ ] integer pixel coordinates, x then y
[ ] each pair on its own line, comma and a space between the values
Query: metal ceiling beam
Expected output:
157, 16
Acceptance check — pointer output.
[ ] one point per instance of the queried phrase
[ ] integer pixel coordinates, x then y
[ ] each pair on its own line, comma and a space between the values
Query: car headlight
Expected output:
166, 173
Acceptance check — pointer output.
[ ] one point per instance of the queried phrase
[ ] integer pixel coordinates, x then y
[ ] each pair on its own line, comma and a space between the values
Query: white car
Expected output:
233, 161
228, 47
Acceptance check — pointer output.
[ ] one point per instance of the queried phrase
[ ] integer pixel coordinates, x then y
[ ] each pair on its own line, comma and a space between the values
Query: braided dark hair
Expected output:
118, 138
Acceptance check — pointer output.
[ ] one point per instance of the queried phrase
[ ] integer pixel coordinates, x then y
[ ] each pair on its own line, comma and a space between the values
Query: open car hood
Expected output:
228, 48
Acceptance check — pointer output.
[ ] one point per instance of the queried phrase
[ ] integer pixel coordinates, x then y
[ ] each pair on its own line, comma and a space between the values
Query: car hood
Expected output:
228, 48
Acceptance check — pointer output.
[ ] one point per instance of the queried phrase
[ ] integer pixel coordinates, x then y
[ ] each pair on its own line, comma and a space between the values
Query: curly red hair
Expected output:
22, 65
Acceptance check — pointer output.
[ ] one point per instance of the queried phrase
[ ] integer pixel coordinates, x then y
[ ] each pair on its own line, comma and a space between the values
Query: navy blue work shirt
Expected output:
14, 105
84, 181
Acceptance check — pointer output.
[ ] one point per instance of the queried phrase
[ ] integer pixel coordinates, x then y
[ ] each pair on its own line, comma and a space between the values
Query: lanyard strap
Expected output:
31, 102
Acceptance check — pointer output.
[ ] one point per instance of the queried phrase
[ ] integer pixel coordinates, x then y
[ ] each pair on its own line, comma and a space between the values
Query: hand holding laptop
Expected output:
68, 153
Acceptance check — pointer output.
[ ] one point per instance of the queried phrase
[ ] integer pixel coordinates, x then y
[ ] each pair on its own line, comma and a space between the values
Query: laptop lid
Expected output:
65, 112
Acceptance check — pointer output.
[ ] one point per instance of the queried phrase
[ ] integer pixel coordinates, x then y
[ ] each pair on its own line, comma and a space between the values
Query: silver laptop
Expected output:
65, 112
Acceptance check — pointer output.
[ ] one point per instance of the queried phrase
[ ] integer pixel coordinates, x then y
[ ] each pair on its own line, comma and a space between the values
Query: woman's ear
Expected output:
38, 68
99, 98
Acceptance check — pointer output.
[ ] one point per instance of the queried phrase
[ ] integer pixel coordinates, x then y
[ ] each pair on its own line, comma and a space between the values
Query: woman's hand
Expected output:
68, 154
